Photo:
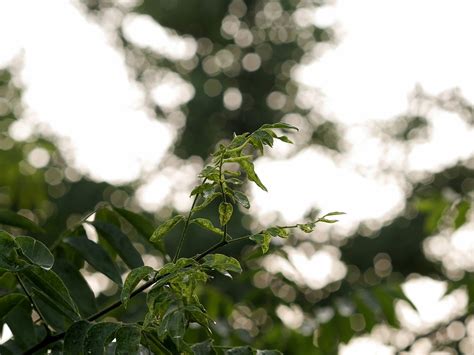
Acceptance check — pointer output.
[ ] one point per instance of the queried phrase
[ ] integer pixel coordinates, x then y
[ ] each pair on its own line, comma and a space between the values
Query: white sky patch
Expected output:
145, 32
433, 306
78, 87
365, 345
379, 61
312, 178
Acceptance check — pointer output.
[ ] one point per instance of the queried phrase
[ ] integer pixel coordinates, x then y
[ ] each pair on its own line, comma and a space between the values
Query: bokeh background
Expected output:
123, 101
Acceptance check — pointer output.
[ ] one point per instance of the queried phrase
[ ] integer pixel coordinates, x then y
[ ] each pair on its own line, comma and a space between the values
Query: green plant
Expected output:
48, 305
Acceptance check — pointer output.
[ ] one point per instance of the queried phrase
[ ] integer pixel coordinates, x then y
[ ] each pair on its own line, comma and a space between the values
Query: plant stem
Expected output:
50, 339
186, 225
32, 303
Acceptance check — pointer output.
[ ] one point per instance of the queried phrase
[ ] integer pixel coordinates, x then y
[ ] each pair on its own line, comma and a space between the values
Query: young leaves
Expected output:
262, 239
164, 228
207, 224
249, 169
222, 263
225, 212
132, 280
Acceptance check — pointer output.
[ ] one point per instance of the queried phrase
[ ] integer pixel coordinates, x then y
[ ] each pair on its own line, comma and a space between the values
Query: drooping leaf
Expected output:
242, 199
120, 243
78, 287
98, 336
262, 239
132, 280
164, 228
95, 255
140, 223
35, 251
249, 169
207, 224
13, 219
225, 212
52, 297
20, 322
128, 340
74, 338
9, 301
222, 263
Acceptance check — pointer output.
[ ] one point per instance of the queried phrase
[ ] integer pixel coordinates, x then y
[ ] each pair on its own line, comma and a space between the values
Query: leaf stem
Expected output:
186, 225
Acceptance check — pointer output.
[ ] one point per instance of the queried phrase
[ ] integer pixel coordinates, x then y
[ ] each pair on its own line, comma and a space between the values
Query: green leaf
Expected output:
242, 199
173, 324
120, 243
201, 188
20, 322
210, 172
241, 350
225, 212
207, 201
264, 137
234, 181
277, 232
153, 343
13, 219
222, 263
164, 228
98, 336
35, 251
307, 227
324, 220
140, 223
95, 255
9, 301
53, 298
203, 348
8, 255
284, 139
132, 280
335, 213
262, 239
128, 340
78, 287
207, 224
74, 338
367, 307
249, 169
279, 125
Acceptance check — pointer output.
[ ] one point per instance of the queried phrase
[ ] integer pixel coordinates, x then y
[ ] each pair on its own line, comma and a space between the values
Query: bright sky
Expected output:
78, 88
